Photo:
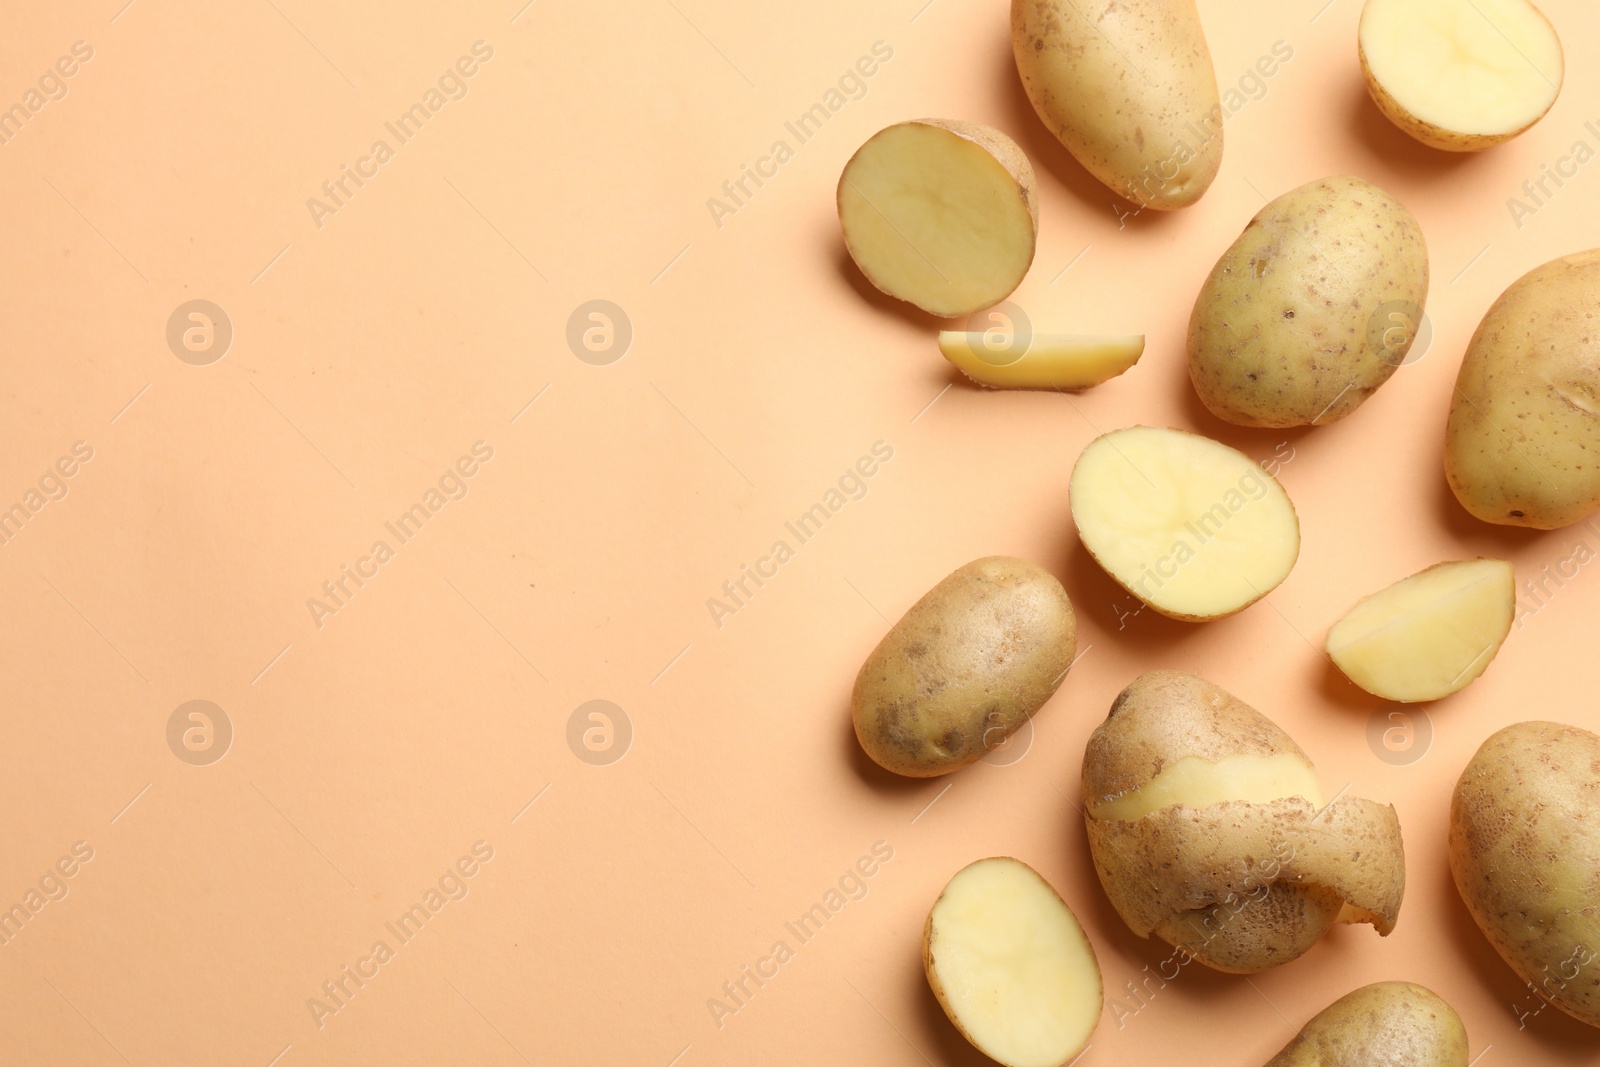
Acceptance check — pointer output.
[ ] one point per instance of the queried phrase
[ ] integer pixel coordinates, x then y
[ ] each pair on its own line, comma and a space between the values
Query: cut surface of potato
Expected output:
940, 214
1188, 525
1199, 783
1428, 635
1010, 965
1044, 361
1460, 75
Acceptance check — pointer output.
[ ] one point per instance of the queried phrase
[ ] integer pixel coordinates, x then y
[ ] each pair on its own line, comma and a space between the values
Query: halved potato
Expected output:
1429, 635
941, 214
1461, 75
1010, 965
1188, 525
1043, 361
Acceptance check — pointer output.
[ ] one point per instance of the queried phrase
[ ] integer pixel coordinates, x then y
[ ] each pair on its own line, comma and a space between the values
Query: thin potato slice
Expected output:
1428, 635
1461, 75
940, 214
1010, 965
1188, 525
1045, 361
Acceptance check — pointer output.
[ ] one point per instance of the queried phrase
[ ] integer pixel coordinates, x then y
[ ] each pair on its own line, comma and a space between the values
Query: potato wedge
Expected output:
1429, 635
940, 214
1044, 361
1188, 525
1460, 75
1010, 965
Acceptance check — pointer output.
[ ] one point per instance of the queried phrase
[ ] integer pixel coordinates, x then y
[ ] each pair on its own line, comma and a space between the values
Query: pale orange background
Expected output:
372, 752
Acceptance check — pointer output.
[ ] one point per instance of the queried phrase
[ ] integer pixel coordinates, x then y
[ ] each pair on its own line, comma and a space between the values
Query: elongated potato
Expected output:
1429, 635
1524, 425
1461, 75
1188, 525
964, 668
1208, 829
941, 214
1311, 309
1386, 1023
1128, 87
1045, 361
1010, 965
1525, 853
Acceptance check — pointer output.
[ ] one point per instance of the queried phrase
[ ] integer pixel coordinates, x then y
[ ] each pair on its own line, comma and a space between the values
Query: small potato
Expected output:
1128, 87
1008, 962
941, 214
964, 668
1525, 852
1461, 75
1429, 635
1208, 829
1384, 1023
1524, 425
1311, 309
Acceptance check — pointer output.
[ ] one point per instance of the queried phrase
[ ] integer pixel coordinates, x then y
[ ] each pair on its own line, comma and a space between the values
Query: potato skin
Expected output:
1128, 87
1382, 1023
964, 668
1282, 333
1523, 440
1525, 853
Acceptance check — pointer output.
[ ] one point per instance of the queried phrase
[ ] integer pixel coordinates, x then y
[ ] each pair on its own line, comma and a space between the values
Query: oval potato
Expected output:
1382, 1023
1525, 853
1128, 87
964, 668
1311, 309
1524, 429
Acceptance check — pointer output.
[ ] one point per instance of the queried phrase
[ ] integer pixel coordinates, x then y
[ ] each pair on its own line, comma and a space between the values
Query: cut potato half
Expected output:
1429, 635
940, 214
1461, 75
1188, 525
1010, 965
1043, 361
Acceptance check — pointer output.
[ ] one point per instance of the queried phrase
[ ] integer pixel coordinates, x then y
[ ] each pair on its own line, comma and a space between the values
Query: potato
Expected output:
1429, 635
940, 214
1383, 1023
1128, 87
1524, 425
1010, 965
1525, 852
964, 668
1186, 524
1460, 75
1311, 309
1042, 361
1208, 829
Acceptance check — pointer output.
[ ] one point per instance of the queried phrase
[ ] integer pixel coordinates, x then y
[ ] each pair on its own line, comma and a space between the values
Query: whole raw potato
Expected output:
964, 668
1386, 1023
1311, 309
1523, 440
1525, 852
1128, 87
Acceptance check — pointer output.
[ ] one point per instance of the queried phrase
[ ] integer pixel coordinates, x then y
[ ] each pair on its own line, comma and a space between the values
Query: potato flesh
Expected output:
1472, 67
1428, 635
1049, 361
1186, 524
1199, 783
1018, 976
935, 219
